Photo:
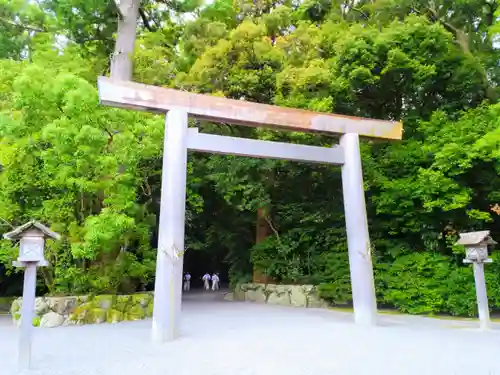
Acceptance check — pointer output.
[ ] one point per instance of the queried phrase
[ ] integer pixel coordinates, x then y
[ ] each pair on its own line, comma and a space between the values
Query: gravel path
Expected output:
237, 338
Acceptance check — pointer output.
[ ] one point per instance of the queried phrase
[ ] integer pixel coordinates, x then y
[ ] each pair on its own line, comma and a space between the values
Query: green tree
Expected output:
94, 173
85, 169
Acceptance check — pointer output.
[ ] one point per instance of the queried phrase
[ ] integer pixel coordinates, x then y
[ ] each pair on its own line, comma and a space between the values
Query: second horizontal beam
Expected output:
218, 144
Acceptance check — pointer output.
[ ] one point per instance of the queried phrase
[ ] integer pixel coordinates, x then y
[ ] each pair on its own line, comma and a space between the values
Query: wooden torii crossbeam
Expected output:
138, 96
178, 105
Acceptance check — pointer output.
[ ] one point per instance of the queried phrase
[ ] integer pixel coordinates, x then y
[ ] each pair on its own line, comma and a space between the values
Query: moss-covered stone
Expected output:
90, 305
93, 309
36, 321
149, 309
105, 301
62, 305
135, 312
79, 314
141, 299
279, 298
51, 320
82, 299
239, 294
122, 303
16, 306
252, 287
296, 295
256, 295
96, 315
41, 306
114, 316
123, 299
309, 289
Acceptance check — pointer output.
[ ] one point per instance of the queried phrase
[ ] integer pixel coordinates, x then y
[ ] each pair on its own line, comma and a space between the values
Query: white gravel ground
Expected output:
236, 338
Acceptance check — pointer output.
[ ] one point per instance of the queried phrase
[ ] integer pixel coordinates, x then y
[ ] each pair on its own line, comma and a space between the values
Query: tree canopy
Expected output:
93, 173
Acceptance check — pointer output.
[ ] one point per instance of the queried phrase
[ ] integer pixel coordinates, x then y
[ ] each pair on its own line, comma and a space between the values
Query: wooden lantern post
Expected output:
31, 237
476, 252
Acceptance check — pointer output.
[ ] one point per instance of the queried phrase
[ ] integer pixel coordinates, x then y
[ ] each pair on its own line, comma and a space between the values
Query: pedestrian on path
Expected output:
187, 282
206, 281
215, 282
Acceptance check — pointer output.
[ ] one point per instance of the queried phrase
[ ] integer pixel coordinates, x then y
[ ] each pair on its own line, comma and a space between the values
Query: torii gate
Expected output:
178, 105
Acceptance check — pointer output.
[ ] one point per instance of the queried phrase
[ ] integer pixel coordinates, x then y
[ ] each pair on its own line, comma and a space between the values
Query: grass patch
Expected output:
5, 303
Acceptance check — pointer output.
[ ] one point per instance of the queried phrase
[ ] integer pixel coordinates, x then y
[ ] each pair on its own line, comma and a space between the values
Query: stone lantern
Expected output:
476, 246
476, 252
31, 237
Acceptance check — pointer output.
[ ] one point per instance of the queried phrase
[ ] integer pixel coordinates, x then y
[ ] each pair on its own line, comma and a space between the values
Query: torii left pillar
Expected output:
169, 262
358, 239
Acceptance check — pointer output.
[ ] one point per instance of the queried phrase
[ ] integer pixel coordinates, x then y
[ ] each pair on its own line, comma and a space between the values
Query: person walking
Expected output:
206, 281
187, 282
215, 282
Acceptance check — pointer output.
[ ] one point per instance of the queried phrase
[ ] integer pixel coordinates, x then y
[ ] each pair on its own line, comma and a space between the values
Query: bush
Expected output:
417, 283
286, 260
337, 293
337, 286
459, 292
422, 282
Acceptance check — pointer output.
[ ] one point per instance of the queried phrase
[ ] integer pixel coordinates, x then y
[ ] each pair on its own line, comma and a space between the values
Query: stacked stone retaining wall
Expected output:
59, 311
274, 294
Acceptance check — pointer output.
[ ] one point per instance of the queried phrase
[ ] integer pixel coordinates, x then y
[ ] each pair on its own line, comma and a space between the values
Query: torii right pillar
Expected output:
358, 240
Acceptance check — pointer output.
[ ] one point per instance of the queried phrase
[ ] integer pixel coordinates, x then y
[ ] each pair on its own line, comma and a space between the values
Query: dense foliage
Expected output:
92, 172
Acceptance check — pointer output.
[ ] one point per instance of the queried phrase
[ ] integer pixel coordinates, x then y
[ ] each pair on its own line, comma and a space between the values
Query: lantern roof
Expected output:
20, 231
476, 238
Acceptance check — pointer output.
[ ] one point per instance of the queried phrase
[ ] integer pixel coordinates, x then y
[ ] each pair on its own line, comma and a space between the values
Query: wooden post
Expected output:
482, 296
168, 282
476, 252
358, 240
31, 238
27, 312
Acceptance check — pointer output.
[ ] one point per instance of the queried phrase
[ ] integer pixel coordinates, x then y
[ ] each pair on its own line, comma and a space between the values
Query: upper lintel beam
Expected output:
158, 99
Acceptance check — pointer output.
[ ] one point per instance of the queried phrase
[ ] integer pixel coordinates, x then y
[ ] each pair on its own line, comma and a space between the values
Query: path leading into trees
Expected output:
237, 338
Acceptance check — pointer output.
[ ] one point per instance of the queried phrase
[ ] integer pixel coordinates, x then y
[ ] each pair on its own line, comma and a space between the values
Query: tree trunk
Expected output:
262, 232
121, 63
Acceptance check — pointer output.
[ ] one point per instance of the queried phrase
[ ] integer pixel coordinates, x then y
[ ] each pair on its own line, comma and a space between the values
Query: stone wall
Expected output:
284, 295
58, 311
